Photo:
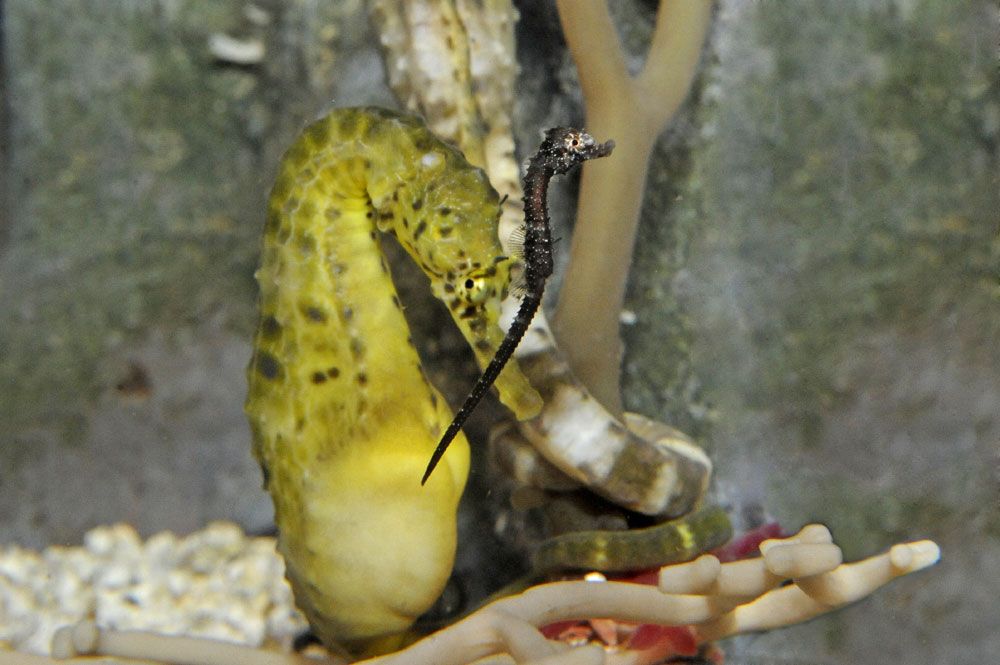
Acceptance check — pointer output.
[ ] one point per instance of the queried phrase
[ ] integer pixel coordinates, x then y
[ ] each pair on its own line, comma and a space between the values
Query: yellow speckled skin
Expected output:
344, 419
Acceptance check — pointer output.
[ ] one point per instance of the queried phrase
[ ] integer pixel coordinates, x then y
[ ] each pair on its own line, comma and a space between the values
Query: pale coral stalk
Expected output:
632, 111
736, 597
809, 597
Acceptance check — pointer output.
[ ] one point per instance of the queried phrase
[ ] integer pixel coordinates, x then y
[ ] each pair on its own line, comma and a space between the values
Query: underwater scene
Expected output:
555, 332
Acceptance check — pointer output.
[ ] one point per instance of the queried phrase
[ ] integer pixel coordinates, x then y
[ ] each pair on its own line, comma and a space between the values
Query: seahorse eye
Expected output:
473, 290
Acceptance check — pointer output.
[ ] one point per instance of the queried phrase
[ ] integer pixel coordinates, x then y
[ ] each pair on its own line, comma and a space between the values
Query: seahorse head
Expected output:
445, 213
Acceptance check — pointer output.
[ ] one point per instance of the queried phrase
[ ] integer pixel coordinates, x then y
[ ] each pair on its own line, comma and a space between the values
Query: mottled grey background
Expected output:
816, 291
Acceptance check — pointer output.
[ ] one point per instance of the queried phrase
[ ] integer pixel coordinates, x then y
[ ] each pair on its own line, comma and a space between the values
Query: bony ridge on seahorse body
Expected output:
343, 417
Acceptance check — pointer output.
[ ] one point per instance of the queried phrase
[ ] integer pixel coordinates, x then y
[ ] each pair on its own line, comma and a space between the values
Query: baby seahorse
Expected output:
561, 150
343, 416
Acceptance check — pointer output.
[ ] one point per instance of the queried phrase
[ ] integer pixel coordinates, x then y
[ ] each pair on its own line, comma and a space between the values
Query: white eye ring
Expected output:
431, 159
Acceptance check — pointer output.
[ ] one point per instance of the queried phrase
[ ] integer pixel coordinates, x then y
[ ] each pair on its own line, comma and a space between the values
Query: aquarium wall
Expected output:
814, 296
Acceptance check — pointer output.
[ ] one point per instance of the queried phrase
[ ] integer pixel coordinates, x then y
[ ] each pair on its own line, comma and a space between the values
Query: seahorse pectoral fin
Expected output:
484, 335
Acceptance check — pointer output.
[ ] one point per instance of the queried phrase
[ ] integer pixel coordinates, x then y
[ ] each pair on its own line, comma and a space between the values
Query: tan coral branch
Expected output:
634, 112
509, 627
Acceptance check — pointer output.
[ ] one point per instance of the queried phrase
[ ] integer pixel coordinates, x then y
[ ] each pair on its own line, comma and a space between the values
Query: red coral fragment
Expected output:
748, 544
672, 640
553, 631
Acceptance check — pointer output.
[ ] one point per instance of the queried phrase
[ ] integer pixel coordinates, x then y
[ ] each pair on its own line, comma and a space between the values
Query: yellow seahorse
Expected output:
344, 419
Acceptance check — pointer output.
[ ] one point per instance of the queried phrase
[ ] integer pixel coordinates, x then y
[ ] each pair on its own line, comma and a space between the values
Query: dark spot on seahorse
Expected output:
317, 132
469, 283
282, 185
434, 400
307, 244
300, 424
409, 340
421, 227
357, 348
386, 214
406, 223
266, 472
498, 259
268, 366
454, 304
273, 222
349, 123
450, 276
313, 313
491, 271
444, 210
307, 209
318, 378
461, 253
395, 300
332, 213
449, 287
298, 153
445, 231
477, 325
362, 378
476, 265
348, 313
373, 235
370, 214
339, 268
368, 164
395, 194
418, 204
423, 141
269, 327
483, 345
469, 312
333, 372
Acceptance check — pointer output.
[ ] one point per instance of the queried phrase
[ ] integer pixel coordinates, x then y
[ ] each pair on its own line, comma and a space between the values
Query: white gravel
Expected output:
215, 583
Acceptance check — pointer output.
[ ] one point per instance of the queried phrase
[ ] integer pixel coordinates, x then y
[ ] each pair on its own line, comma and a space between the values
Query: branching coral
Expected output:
634, 111
721, 599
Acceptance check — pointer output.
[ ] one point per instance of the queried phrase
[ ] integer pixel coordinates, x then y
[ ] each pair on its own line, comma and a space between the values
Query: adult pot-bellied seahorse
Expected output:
344, 418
